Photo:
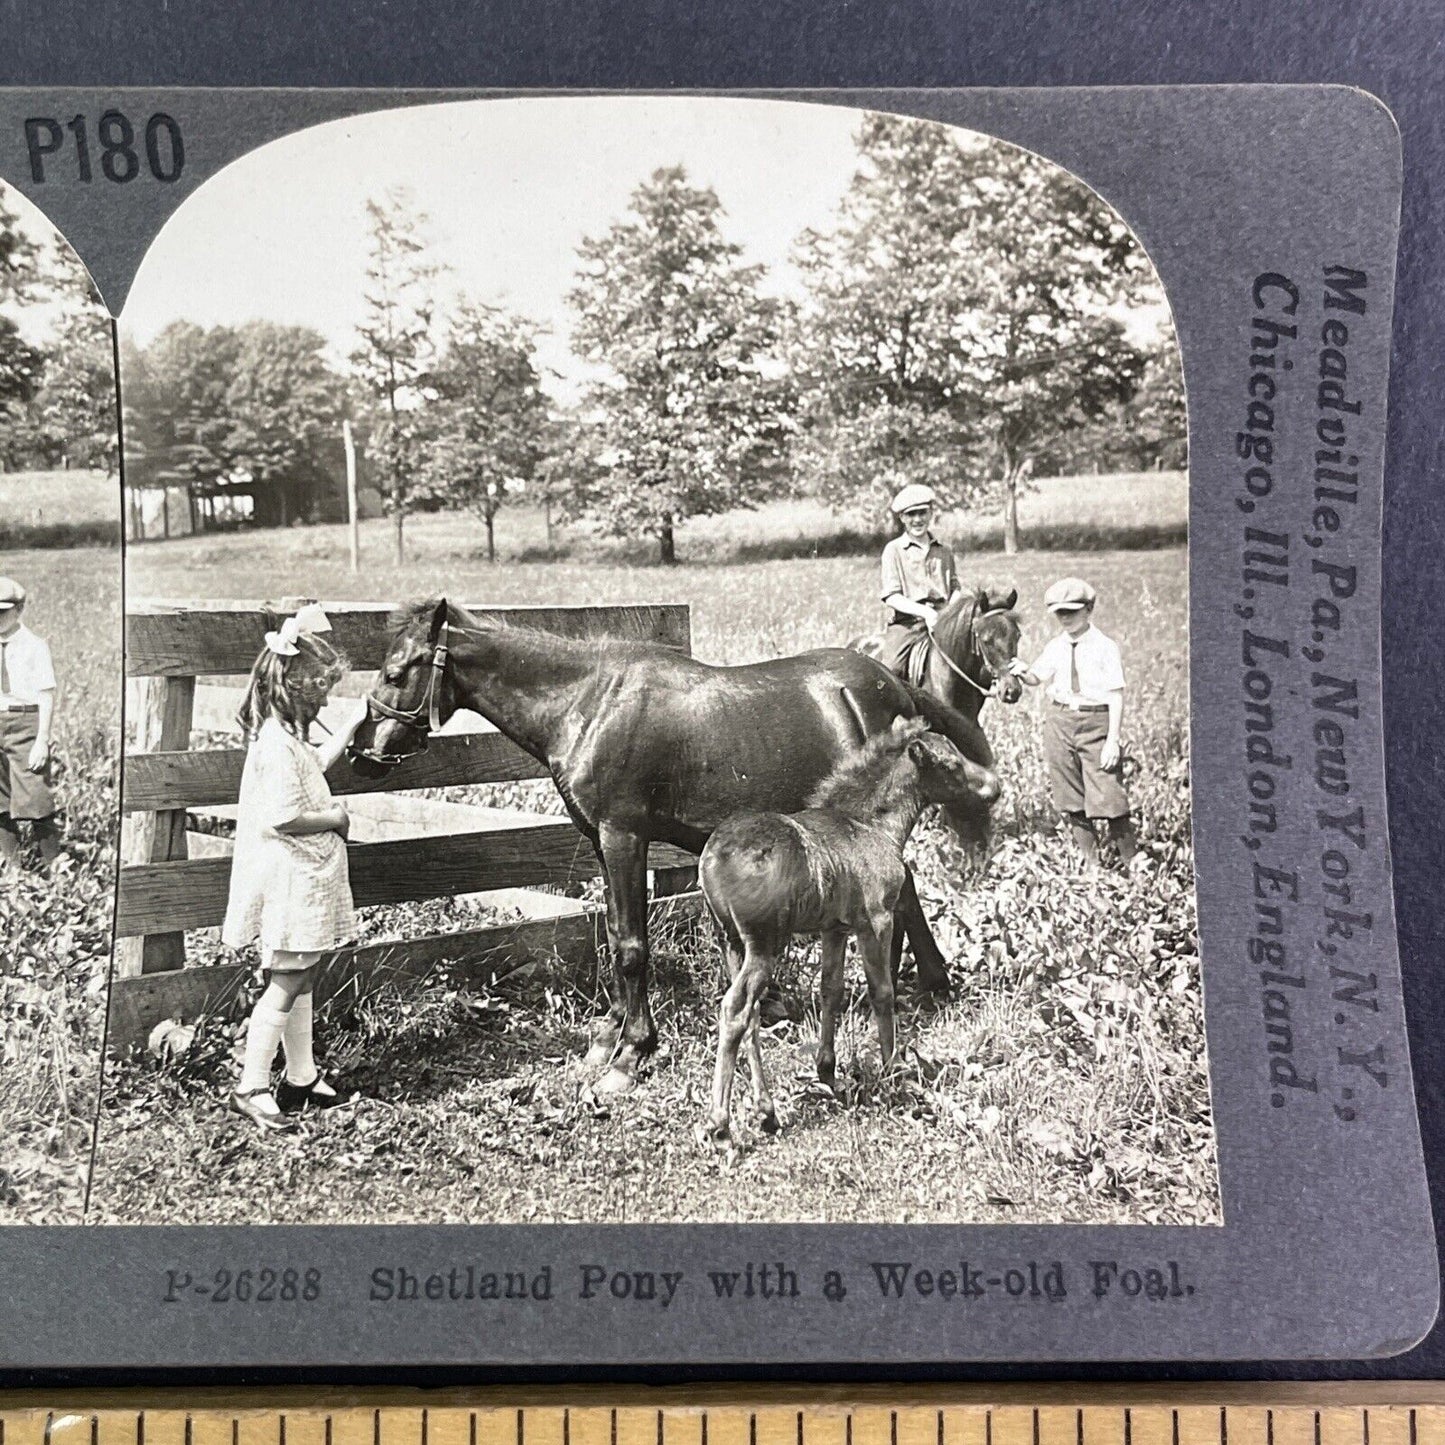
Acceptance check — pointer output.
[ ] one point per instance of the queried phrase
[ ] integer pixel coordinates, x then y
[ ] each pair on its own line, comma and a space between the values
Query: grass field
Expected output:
55, 937
1063, 1080
1136, 509
59, 510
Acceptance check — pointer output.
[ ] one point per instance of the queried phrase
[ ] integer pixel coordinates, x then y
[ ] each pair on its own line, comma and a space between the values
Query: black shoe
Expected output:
318, 1094
264, 1118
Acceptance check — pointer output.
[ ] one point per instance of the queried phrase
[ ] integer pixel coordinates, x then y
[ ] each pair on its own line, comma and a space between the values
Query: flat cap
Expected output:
1068, 593
915, 494
11, 593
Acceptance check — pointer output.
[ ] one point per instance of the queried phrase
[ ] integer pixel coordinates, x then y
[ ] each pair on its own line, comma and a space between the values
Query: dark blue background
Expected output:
1394, 49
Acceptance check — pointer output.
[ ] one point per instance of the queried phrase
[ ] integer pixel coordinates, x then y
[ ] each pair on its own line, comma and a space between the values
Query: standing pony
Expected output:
647, 745
836, 869
967, 658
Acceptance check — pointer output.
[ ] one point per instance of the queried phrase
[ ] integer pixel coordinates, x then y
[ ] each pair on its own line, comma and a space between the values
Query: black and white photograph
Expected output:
60, 699
657, 681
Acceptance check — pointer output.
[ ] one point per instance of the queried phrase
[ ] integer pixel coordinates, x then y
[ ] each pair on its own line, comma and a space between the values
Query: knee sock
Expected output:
296, 1041
1082, 832
9, 839
47, 836
1121, 830
263, 1037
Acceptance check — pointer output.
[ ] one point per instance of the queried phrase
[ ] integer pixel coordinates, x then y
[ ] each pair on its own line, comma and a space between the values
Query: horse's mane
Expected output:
854, 785
406, 615
409, 615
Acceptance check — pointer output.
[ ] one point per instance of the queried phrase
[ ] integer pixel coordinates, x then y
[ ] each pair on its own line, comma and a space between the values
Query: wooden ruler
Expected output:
1280, 1414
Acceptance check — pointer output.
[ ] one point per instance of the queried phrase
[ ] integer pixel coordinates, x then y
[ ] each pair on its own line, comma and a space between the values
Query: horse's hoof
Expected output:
934, 985
616, 1081
599, 1052
713, 1141
768, 1122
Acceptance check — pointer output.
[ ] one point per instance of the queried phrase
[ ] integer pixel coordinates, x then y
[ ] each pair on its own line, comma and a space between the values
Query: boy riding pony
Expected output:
919, 576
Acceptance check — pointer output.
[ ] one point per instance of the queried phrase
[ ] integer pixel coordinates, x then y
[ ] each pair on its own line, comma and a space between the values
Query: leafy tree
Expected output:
174, 398
284, 405
1148, 430
395, 349
19, 256
21, 363
488, 421
960, 314
76, 403
687, 413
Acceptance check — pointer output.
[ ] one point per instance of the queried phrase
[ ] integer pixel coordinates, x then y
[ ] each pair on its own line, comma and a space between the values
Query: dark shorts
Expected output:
905, 646
23, 794
1072, 744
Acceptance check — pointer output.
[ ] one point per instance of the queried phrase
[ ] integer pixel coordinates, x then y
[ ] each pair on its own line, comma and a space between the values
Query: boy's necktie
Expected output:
4, 672
1074, 688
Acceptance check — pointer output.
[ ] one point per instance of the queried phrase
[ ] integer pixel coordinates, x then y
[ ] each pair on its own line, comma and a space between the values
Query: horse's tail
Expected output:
965, 734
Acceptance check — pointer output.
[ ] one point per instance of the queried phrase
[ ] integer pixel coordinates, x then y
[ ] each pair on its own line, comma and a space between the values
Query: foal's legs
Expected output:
932, 969
625, 856
835, 947
765, 1113
873, 943
736, 1015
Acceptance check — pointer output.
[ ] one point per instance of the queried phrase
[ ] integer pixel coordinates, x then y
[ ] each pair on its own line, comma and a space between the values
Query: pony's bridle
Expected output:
953, 667
425, 718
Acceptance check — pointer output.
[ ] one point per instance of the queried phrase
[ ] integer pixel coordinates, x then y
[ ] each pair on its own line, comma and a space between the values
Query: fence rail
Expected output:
164, 893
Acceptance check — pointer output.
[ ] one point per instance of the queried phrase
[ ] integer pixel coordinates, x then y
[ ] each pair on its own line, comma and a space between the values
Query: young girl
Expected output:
289, 883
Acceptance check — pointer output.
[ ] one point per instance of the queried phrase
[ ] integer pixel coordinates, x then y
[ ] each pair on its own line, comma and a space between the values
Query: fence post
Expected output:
164, 707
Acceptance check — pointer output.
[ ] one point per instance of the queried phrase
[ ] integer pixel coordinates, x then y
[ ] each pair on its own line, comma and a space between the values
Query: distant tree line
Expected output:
57, 393
964, 320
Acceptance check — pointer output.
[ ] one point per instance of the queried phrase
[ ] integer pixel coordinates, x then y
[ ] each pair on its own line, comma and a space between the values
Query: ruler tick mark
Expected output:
1174, 1426
471, 1429
1036, 1428
1079, 1427
1223, 1426
1128, 1426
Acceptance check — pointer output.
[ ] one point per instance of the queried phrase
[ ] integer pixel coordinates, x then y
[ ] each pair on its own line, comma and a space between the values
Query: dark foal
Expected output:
834, 869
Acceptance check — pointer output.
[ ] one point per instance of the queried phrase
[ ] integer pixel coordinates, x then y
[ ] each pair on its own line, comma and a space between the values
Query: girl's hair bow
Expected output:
310, 618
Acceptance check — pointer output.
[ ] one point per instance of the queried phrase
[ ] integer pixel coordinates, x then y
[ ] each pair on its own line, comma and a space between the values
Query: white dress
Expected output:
293, 893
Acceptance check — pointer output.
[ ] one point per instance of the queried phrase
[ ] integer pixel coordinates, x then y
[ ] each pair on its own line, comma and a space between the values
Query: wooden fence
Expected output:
173, 880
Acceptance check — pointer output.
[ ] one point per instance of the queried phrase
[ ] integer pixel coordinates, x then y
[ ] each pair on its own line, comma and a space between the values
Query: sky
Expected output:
510, 188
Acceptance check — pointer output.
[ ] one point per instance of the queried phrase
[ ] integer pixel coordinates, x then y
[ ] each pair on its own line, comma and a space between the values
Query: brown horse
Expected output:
834, 869
646, 744
974, 640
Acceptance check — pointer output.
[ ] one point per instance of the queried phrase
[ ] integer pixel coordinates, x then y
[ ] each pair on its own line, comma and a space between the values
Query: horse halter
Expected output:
425, 718
953, 667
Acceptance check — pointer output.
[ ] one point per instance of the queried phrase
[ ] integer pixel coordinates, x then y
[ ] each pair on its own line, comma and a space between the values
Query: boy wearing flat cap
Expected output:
918, 578
27, 708
1084, 677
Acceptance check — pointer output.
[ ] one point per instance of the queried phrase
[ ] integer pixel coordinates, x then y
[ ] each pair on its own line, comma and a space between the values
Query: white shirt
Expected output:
28, 668
1100, 668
